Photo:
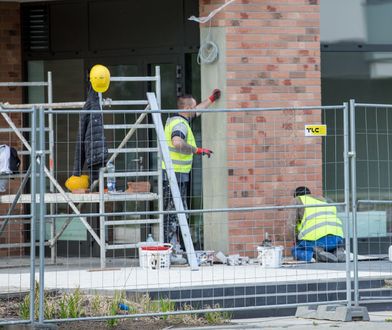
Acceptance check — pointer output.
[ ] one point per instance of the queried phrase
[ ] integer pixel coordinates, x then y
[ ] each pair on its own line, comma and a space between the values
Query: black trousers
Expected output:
171, 232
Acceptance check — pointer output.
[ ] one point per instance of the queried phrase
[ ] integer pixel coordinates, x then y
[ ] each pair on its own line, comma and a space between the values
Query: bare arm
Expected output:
182, 146
204, 104
295, 215
216, 93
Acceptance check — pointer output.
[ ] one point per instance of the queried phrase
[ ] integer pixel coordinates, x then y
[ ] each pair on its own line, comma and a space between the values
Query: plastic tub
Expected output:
155, 256
270, 256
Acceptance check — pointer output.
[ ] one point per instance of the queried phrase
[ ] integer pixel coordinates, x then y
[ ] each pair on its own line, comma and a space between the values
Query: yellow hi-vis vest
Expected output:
318, 222
182, 163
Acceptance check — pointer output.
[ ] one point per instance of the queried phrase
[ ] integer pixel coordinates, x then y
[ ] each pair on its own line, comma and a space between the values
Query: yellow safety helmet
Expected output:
100, 78
77, 182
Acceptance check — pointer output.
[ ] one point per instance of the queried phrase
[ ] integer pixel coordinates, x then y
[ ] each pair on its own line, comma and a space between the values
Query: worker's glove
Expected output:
202, 151
216, 94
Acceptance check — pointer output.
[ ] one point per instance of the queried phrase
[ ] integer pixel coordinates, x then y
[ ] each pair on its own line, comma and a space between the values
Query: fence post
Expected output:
33, 210
354, 200
42, 213
347, 200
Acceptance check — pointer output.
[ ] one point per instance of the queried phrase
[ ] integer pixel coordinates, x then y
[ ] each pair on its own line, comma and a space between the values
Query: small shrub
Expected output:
217, 317
96, 305
24, 308
166, 305
74, 304
63, 311
113, 308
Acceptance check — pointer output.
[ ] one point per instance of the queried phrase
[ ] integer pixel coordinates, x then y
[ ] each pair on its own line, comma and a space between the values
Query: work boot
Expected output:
323, 256
340, 254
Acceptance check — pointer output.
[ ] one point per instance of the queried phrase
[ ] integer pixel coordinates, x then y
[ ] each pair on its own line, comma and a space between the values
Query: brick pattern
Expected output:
11, 70
272, 60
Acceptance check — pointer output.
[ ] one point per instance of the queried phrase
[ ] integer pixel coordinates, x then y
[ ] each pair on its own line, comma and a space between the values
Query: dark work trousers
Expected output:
171, 230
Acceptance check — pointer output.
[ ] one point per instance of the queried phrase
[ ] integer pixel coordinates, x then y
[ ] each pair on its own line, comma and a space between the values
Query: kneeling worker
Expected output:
318, 230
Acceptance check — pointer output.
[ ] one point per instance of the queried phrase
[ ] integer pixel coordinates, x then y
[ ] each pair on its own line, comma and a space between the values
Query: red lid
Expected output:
155, 248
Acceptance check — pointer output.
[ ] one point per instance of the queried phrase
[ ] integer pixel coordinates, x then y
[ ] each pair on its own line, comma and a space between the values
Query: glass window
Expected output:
358, 21
363, 76
367, 78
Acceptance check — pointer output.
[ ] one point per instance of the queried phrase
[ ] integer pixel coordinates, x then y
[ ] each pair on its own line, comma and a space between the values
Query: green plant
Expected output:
388, 319
63, 312
166, 305
74, 304
96, 304
24, 308
146, 305
113, 308
217, 317
49, 309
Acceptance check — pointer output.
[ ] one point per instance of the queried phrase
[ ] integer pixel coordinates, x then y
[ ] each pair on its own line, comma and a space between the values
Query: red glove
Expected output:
202, 151
216, 94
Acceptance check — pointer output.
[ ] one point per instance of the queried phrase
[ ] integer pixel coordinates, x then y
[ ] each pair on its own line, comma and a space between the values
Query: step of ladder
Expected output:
127, 126
132, 150
131, 222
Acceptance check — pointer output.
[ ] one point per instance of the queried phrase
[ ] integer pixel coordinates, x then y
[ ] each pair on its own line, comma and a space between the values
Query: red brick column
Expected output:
272, 60
11, 70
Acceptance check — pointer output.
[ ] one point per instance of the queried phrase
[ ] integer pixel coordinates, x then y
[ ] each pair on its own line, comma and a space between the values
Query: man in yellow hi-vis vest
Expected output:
318, 229
182, 147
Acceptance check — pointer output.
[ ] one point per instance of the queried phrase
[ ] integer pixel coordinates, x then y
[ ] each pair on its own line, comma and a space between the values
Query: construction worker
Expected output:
182, 147
319, 231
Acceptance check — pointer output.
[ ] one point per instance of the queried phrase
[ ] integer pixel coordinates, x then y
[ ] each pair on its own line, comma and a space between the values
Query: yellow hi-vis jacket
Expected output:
182, 163
318, 222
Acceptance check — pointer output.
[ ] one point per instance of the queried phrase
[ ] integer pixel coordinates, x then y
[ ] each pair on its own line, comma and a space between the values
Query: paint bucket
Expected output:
155, 256
270, 256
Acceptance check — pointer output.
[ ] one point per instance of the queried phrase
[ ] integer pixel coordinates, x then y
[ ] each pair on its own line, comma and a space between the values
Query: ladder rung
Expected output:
133, 174
129, 150
26, 152
131, 222
128, 126
10, 130
121, 246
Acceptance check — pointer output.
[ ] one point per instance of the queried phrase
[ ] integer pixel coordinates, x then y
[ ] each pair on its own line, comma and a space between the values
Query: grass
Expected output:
217, 317
76, 304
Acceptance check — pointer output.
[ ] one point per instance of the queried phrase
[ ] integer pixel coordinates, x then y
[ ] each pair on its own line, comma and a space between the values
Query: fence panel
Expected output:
17, 174
373, 206
238, 198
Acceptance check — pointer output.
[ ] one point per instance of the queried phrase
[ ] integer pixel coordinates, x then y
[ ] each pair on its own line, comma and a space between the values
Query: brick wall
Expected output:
10, 70
272, 60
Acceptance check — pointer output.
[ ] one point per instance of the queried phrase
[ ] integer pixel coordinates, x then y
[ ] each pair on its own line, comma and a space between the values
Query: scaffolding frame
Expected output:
69, 198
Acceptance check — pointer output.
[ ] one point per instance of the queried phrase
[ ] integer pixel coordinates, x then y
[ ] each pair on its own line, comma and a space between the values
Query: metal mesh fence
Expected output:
237, 249
246, 189
372, 224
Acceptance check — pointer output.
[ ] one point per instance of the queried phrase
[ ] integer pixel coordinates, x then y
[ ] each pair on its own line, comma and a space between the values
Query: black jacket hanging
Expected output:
90, 143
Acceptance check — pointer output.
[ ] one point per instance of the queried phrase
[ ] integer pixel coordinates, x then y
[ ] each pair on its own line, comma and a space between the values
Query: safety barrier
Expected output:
239, 199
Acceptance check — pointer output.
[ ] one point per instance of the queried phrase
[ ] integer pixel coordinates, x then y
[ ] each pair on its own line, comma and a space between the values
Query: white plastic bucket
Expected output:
270, 256
155, 256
